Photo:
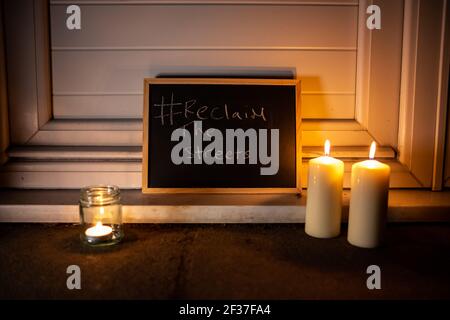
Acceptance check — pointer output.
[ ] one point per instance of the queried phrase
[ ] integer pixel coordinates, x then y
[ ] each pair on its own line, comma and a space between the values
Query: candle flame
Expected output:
102, 210
373, 148
99, 224
327, 147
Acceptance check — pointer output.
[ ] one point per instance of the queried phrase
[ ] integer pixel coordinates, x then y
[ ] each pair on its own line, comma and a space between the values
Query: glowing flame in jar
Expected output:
99, 230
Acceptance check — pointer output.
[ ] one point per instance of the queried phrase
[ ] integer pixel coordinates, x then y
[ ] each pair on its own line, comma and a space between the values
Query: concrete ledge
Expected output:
61, 206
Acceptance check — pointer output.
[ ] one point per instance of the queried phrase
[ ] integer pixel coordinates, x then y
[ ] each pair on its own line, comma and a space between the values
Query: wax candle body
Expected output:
324, 197
368, 203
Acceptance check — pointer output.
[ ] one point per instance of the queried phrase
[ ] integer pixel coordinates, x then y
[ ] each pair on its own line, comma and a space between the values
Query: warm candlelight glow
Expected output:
368, 202
100, 215
373, 148
99, 230
324, 204
327, 147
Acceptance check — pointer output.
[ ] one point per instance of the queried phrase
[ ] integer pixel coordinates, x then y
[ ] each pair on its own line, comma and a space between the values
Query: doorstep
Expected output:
61, 206
223, 261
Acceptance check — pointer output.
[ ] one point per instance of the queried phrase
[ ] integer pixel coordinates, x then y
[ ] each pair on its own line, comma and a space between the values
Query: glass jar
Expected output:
101, 215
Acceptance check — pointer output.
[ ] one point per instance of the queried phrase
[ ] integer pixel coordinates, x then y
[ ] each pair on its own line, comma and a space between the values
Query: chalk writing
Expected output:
190, 111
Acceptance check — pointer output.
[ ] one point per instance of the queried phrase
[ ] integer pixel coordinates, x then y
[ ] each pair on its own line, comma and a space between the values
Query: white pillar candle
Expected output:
324, 197
369, 201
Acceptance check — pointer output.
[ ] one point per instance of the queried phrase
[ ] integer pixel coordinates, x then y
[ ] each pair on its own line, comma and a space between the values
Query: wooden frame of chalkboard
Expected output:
149, 186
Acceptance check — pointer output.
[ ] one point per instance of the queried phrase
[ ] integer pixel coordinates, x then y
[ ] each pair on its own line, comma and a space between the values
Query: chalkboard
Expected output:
209, 135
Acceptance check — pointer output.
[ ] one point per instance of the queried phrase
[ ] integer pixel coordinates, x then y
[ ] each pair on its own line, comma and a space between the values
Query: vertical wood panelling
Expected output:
21, 69
43, 73
362, 86
426, 89
409, 60
442, 100
385, 74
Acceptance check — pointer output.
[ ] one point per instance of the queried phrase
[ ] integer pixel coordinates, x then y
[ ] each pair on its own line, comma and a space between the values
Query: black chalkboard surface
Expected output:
221, 136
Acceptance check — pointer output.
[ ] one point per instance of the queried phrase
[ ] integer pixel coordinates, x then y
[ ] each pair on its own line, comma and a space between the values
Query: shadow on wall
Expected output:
314, 102
233, 72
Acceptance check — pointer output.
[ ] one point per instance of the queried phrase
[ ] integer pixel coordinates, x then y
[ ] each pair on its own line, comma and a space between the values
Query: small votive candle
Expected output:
100, 215
324, 196
368, 202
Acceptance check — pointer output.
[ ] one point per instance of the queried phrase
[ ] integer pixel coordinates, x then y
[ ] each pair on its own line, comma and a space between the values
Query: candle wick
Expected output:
373, 148
327, 147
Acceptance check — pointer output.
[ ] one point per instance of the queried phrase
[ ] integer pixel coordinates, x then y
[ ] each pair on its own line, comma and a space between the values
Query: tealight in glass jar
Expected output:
101, 215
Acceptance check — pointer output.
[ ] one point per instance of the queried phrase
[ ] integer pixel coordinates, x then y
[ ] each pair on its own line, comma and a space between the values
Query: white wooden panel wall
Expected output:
426, 90
98, 70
